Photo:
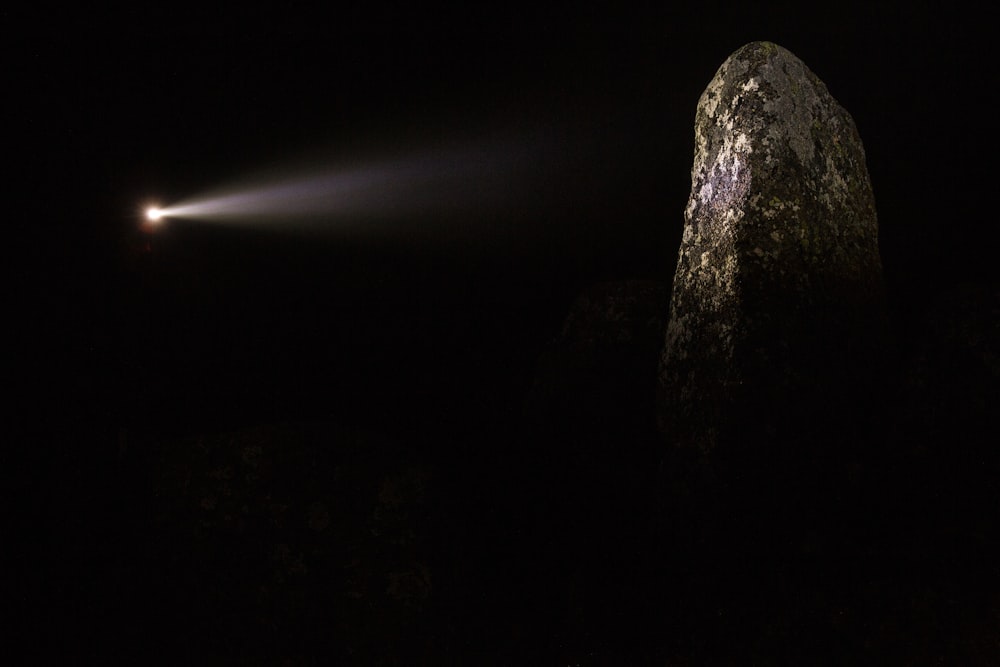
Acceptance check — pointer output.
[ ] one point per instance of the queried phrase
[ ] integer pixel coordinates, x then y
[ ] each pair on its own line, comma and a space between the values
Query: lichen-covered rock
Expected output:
776, 314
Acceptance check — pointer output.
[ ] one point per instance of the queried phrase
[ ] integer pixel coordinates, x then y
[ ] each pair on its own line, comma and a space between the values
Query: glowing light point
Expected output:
154, 214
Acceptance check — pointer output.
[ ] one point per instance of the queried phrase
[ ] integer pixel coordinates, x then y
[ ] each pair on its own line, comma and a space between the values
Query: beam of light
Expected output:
440, 183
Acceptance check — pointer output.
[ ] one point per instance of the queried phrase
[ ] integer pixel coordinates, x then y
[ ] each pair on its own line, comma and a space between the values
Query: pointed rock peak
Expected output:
778, 286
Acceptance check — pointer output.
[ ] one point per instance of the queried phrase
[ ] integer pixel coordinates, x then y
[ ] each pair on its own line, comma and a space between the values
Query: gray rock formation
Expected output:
776, 315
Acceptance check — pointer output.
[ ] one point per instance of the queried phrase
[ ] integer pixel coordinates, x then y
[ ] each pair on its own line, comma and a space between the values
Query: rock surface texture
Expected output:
776, 314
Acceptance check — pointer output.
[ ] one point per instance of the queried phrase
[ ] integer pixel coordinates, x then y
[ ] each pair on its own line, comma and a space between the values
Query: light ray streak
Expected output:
441, 182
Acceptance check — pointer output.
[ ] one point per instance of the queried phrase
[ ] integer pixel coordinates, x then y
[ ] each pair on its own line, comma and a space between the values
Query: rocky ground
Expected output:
568, 534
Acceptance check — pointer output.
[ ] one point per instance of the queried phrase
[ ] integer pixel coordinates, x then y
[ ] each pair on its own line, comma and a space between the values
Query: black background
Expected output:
428, 328
128, 107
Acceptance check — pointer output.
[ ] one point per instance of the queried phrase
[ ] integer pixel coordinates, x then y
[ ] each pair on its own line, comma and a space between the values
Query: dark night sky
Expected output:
124, 106
385, 344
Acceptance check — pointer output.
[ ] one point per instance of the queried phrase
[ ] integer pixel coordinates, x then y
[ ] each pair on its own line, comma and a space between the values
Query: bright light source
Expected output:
153, 214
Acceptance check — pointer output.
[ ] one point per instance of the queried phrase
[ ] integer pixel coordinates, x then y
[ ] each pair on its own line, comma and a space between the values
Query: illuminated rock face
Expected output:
776, 314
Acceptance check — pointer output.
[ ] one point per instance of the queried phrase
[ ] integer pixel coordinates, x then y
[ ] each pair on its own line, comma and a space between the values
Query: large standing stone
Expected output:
776, 314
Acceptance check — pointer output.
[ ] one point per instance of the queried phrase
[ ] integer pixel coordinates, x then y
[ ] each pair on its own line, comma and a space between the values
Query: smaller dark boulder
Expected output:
599, 373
